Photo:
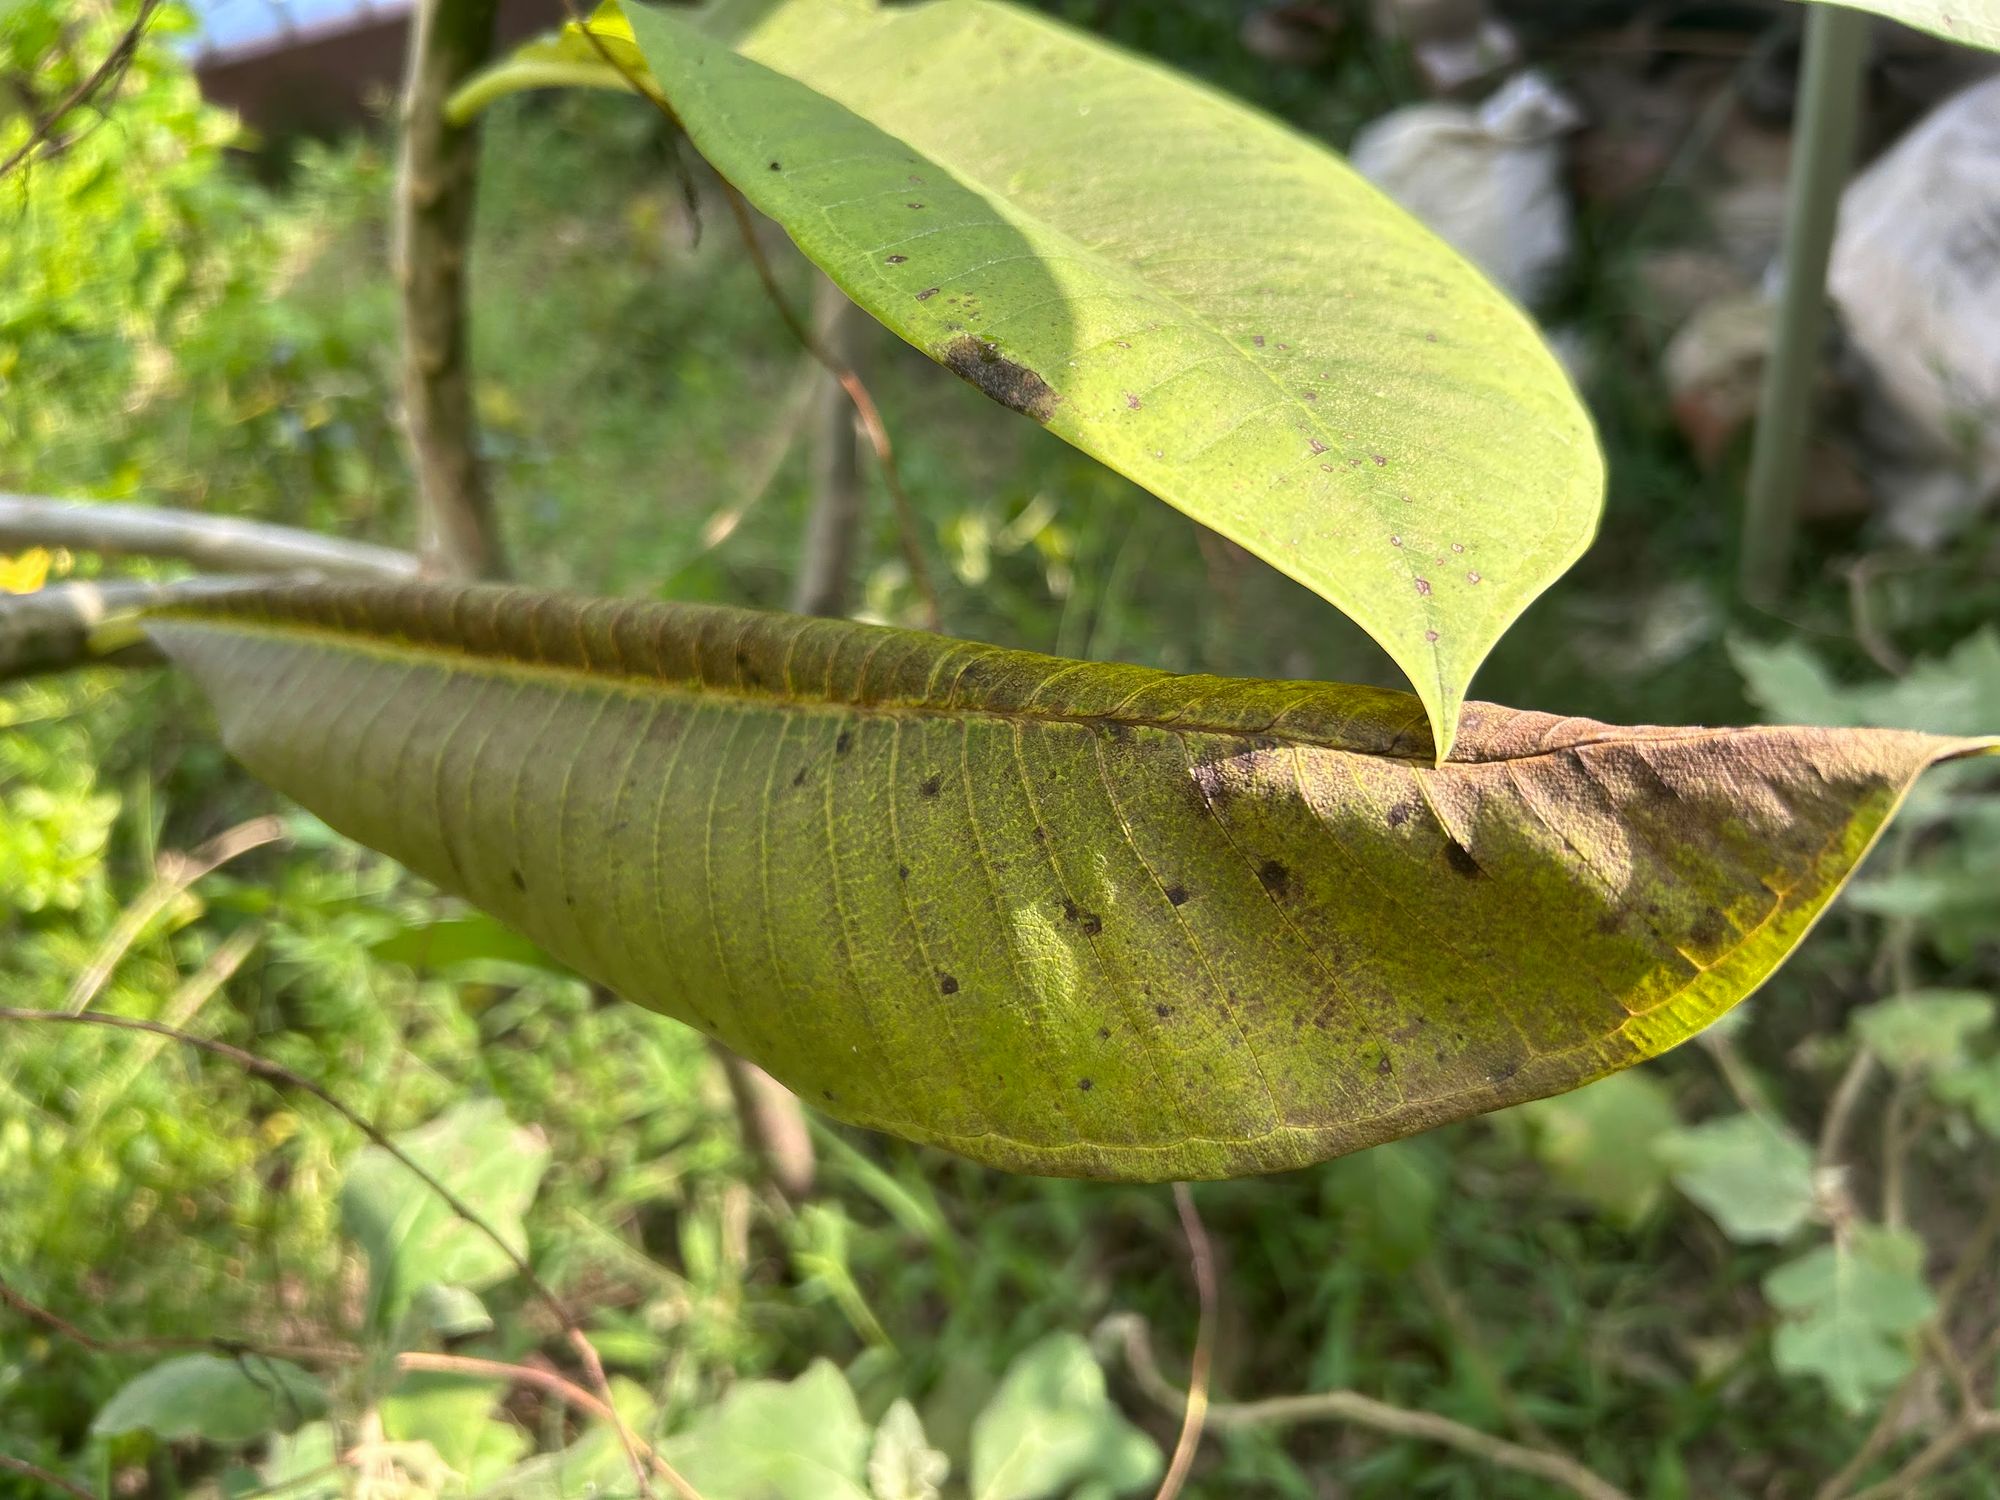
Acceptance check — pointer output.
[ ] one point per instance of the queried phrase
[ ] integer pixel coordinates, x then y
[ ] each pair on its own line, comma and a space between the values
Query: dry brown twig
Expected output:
1202, 1258
276, 1073
176, 872
1130, 1333
36, 1472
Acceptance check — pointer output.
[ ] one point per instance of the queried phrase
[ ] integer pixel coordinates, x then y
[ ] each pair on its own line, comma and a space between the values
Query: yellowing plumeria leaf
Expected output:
1060, 916
1201, 298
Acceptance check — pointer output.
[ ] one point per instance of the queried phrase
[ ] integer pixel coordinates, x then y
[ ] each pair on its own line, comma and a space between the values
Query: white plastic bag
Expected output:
1916, 274
1489, 179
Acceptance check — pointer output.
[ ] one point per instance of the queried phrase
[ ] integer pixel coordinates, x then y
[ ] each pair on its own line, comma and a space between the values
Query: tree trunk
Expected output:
436, 183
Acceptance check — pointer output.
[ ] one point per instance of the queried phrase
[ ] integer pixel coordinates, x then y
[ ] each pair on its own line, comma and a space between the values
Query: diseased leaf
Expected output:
1850, 1309
1201, 298
412, 1237
1062, 917
224, 1401
1050, 1429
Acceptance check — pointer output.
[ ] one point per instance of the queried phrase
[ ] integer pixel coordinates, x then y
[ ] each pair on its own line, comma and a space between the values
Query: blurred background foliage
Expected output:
1652, 1273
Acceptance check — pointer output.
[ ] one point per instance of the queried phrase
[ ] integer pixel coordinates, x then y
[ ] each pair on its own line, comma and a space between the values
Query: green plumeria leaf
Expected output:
1752, 1176
1199, 297
1050, 1429
1850, 1309
1063, 917
412, 1238
229, 1402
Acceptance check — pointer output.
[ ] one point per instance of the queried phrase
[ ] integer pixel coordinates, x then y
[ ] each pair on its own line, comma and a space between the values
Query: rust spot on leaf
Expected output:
980, 362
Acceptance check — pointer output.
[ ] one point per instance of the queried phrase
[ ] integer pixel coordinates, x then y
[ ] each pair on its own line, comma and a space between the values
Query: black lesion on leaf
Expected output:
931, 785
1092, 924
902, 872
1710, 930
1275, 878
1071, 911
1015, 386
1384, 1068
520, 881
1104, 1033
799, 777
1398, 815
947, 984
1084, 1084
1178, 894
1163, 1011
843, 742
1461, 861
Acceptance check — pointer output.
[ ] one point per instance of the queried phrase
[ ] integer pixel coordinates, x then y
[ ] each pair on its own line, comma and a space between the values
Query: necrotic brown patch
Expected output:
981, 363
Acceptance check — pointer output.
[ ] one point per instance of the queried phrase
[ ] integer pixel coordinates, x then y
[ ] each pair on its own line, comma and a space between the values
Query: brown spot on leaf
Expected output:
775, 167
843, 742
519, 880
1472, 576
1431, 636
1379, 459
1104, 1033
1177, 894
927, 293
931, 784
1084, 1084
1163, 1011
947, 984
1092, 924
1316, 445
902, 872
1399, 814
1257, 339
1275, 877
1461, 861
1423, 585
979, 362
1132, 401
1071, 911
897, 260
1384, 1068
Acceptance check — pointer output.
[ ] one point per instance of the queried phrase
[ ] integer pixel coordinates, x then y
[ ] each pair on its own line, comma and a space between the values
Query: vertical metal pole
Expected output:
1836, 51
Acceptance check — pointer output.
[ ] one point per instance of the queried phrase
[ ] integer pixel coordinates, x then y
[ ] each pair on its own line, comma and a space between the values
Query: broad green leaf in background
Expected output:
1924, 1031
225, 1401
1850, 1308
1062, 917
1976, 23
592, 1466
1598, 1142
1050, 1429
303, 1465
460, 1419
1196, 295
1976, 1089
1387, 1201
800, 1439
1752, 1176
902, 1465
412, 1238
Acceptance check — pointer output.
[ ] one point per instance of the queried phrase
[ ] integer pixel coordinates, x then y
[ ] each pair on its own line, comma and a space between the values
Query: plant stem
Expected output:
1195, 1415
436, 180
1836, 52
215, 544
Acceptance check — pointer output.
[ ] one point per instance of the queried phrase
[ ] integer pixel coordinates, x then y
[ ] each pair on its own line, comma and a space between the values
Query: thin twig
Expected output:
1934, 1455
1840, 1108
270, 1072
69, 625
1895, 1153
214, 544
113, 65
175, 874
37, 1472
55, 1323
1192, 1419
1364, 1411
